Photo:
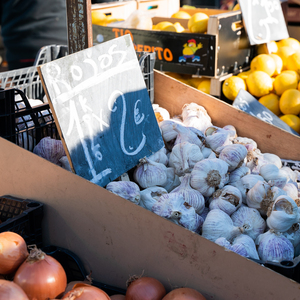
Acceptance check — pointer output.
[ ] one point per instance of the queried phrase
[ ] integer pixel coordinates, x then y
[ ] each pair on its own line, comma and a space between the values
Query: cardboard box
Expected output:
224, 49
116, 238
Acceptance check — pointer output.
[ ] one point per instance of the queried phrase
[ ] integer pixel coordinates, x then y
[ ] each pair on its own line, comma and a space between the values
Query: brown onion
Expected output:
13, 251
11, 291
41, 276
184, 294
145, 288
117, 297
82, 291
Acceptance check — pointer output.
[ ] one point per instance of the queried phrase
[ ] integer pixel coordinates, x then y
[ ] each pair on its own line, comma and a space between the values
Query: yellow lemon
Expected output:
232, 85
284, 52
99, 18
285, 81
263, 62
294, 73
293, 62
165, 26
195, 81
271, 101
179, 27
244, 74
236, 7
267, 48
181, 15
204, 86
278, 63
198, 23
289, 42
292, 120
111, 19
259, 83
289, 102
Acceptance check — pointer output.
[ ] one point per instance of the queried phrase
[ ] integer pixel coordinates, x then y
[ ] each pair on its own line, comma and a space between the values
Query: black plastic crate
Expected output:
75, 270
22, 216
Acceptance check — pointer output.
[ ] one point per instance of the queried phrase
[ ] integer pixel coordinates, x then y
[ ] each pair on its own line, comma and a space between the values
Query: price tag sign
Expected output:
102, 109
249, 104
264, 20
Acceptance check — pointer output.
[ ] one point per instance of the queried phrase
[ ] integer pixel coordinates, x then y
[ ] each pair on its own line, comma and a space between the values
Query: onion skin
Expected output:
145, 288
13, 252
41, 277
11, 291
117, 297
184, 294
83, 291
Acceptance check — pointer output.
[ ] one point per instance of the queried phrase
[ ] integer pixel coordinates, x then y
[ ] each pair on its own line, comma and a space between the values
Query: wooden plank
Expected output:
79, 23
168, 93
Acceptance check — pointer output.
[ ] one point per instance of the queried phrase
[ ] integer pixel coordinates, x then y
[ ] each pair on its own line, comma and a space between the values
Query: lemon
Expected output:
289, 102
111, 19
236, 7
278, 63
292, 120
267, 48
259, 83
99, 18
178, 27
165, 26
232, 85
284, 52
271, 101
293, 62
285, 81
244, 74
293, 73
198, 23
181, 15
263, 62
195, 81
289, 42
204, 86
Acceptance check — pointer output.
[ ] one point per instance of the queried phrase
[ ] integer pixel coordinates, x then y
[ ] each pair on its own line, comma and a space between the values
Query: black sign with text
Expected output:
249, 104
102, 108
264, 20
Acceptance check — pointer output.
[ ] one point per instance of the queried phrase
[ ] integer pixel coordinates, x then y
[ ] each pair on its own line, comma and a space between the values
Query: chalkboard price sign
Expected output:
264, 20
249, 104
102, 109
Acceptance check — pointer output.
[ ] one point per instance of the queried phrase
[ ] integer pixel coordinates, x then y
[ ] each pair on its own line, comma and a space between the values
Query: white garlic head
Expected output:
160, 156
173, 180
208, 175
126, 189
238, 173
245, 243
291, 190
150, 195
216, 138
186, 134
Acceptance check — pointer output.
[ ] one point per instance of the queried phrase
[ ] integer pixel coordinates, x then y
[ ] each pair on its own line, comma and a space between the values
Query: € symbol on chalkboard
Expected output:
249, 104
102, 109
264, 20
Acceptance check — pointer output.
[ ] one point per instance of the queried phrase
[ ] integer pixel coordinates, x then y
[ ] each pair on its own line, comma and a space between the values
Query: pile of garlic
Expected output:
219, 185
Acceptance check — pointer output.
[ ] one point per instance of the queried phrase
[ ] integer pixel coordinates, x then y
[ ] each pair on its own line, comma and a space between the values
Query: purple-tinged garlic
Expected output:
291, 190
293, 235
150, 196
160, 156
167, 131
234, 155
250, 220
190, 195
208, 153
218, 224
209, 175
272, 172
186, 134
247, 142
245, 243
128, 190
216, 138
273, 159
173, 207
173, 180
274, 247
283, 215
221, 241
183, 157
228, 199
50, 149
238, 173
149, 173
232, 131
292, 175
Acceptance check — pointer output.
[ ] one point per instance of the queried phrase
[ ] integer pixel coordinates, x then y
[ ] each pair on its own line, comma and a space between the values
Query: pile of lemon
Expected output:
273, 79
100, 18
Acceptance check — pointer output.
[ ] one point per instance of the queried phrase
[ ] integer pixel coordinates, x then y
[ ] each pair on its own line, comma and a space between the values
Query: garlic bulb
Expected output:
190, 195
273, 159
293, 235
234, 155
173, 207
250, 220
218, 224
291, 190
183, 157
221, 241
291, 174
149, 173
160, 156
208, 153
64, 162
283, 215
209, 175
185, 134
274, 247
150, 195
228, 199
167, 131
161, 113
232, 131
126, 189
246, 243
238, 173
216, 138
271, 172
247, 142
173, 180
50, 149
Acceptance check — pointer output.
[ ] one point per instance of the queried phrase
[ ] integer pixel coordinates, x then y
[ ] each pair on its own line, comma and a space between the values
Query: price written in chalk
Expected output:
101, 104
249, 104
